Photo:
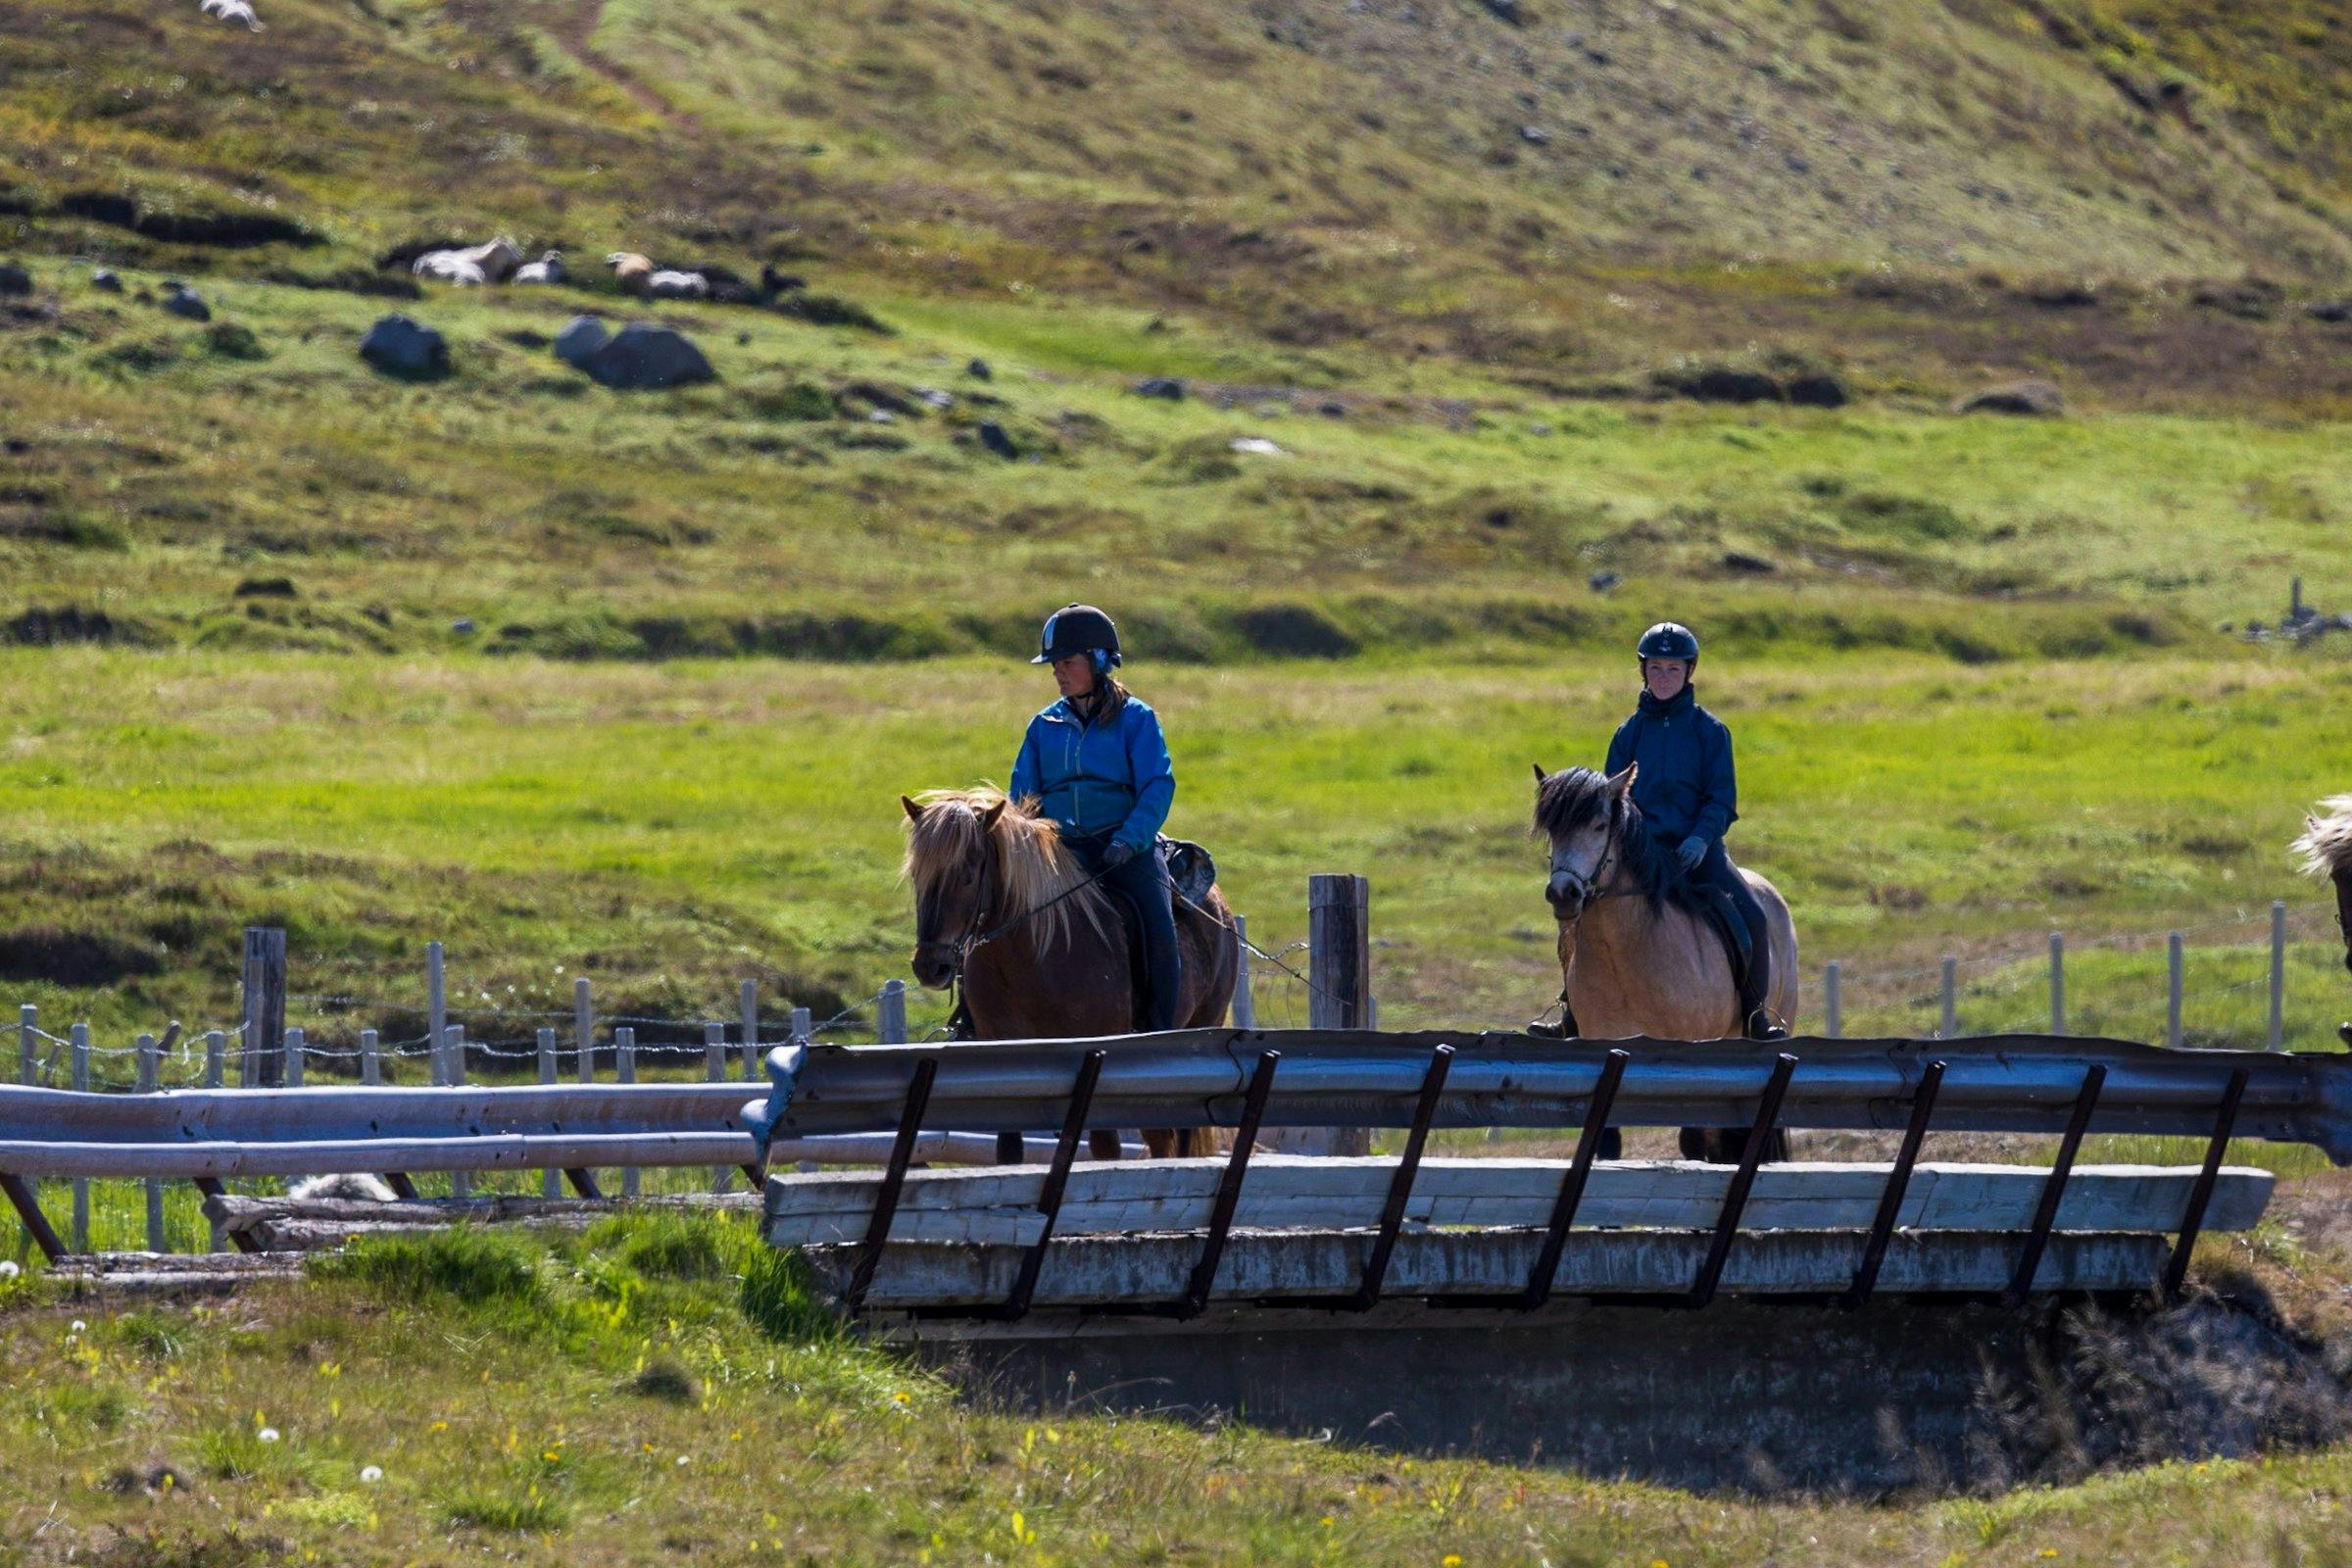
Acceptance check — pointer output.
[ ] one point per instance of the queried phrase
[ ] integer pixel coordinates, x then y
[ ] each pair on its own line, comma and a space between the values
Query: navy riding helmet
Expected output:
1668, 639
1080, 629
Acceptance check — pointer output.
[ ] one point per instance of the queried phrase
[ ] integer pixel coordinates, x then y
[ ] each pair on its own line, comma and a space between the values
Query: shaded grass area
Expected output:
653, 1388
667, 831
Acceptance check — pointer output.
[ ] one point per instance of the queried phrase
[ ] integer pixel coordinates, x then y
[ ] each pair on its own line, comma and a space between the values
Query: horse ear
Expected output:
914, 812
988, 818
1620, 783
1540, 775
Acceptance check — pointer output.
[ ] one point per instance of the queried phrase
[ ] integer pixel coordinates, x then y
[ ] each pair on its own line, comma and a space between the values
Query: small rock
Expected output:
1748, 565
579, 340
881, 416
2330, 311
1535, 135
2032, 399
993, 437
13, 280
1508, 10
398, 346
1600, 582
933, 397
1258, 446
184, 300
978, 370
1332, 410
104, 281
644, 357
1166, 387
463, 626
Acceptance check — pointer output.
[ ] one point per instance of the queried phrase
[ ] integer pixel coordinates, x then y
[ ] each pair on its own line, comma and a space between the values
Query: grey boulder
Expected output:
643, 357
185, 301
580, 340
398, 346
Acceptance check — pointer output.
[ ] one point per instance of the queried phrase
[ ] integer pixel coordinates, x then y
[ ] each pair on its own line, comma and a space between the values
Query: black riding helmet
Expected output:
1668, 639
1079, 629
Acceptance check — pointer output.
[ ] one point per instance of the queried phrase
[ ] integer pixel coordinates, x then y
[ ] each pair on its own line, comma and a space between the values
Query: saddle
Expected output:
1722, 916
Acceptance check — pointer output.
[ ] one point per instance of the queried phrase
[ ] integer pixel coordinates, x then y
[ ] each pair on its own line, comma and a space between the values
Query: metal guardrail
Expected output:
1362, 1078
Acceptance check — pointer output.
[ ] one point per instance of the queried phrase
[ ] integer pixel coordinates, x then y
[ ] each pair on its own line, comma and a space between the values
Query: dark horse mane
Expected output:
1576, 797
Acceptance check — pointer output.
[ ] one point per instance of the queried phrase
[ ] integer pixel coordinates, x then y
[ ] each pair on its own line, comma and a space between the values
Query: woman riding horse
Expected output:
1688, 797
1097, 767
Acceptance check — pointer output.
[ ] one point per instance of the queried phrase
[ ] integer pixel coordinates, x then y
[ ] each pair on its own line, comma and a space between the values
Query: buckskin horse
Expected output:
1039, 948
1637, 954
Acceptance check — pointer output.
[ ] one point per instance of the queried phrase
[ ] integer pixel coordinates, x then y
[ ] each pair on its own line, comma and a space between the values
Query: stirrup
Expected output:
1763, 1025
1544, 1029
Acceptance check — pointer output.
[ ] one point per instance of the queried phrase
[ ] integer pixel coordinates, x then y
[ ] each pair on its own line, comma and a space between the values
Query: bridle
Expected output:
1588, 886
957, 950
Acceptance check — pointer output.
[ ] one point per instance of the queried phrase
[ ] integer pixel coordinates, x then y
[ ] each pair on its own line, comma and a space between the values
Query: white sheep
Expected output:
449, 266
350, 1186
630, 270
498, 258
548, 269
670, 285
232, 10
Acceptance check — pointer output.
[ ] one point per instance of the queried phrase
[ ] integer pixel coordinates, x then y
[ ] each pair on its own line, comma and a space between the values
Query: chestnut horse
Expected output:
1636, 956
2326, 849
1041, 949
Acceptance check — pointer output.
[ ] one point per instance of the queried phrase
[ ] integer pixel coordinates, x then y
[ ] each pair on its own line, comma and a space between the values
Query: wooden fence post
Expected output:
436, 1009
747, 1006
80, 1048
1831, 1001
151, 1080
215, 1058
2172, 1035
294, 1044
625, 1064
1245, 1005
371, 1058
714, 1068
551, 1182
261, 1067
583, 1020
2057, 983
890, 1015
28, 1053
1948, 989
803, 1021
1338, 994
2278, 1034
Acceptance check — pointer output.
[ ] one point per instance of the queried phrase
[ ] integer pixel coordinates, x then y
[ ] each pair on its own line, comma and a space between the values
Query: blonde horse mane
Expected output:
1033, 867
2327, 846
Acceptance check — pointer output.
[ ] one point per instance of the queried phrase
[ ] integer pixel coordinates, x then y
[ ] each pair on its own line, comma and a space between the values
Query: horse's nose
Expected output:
1561, 891
930, 971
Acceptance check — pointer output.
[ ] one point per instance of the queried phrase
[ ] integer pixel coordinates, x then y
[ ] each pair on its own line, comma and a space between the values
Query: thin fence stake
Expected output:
28, 1054
2277, 1036
81, 1048
151, 1073
294, 1044
1245, 1005
715, 1068
889, 1017
1948, 1021
624, 1062
1831, 1000
2057, 983
371, 1058
802, 1020
583, 1023
2171, 990
216, 1057
747, 1006
551, 1182
436, 1006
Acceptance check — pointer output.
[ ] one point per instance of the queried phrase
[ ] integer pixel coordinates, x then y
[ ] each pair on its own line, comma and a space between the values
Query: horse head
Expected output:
952, 861
1580, 812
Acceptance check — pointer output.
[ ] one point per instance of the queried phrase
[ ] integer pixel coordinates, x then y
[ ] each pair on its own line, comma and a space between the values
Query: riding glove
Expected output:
1117, 855
1694, 851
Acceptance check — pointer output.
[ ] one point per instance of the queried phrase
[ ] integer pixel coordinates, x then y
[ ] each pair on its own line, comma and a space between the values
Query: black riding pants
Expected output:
1717, 871
1144, 883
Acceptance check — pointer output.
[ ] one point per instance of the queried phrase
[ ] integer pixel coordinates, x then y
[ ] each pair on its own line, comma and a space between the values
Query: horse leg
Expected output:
1103, 1142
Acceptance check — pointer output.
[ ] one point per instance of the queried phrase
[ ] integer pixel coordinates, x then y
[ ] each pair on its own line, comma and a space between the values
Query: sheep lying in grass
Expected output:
493, 262
352, 1186
548, 269
631, 270
672, 285
232, 10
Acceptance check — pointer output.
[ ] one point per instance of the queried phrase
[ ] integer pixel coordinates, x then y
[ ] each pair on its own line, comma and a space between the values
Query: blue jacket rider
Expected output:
1098, 766
1690, 794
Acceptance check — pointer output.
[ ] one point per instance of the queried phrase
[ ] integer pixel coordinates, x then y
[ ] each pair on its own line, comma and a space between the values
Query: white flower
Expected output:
8, 1269
372, 1475
268, 1434
79, 1327
685, 1458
